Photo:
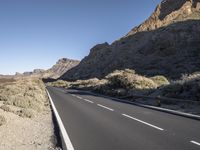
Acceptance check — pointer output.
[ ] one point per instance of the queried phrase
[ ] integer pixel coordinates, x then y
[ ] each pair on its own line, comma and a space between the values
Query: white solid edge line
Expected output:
194, 142
88, 100
142, 122
105, 107
66, 138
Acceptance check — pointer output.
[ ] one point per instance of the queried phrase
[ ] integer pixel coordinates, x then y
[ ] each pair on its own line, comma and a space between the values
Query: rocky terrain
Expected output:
54, 72
25, 116
167, 43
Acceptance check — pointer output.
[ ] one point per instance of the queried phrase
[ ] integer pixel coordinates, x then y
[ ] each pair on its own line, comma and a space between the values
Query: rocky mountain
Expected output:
56, 71
167, 43
61, 67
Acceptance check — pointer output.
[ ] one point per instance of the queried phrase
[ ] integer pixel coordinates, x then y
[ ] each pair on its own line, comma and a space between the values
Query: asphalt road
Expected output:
97, 123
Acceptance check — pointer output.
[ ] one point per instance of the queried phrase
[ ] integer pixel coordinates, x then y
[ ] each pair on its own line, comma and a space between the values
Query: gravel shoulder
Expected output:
27, 134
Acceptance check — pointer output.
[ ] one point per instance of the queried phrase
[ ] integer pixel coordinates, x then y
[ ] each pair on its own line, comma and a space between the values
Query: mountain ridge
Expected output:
155, 47
61, 66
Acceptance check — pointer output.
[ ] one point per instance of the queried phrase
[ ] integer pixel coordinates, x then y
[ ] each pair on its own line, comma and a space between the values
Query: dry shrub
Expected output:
59, 83
160, 80
117, 83
127, 79
186, 88
5, 108
25, 93
85, 84
27, 113
2, 120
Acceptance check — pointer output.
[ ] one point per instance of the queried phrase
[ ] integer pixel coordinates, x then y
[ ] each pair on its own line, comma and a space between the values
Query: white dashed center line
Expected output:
143, 122
79, 97
194, 142
88, 100
105, 107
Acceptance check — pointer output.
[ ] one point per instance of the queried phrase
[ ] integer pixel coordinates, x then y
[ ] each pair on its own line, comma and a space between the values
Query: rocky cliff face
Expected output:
56, 71
167, 43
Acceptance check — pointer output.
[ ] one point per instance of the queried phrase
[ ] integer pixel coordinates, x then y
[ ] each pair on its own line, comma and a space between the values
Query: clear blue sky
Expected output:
36, 33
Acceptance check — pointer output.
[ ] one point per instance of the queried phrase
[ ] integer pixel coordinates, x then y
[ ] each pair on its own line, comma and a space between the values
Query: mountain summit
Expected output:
167, 43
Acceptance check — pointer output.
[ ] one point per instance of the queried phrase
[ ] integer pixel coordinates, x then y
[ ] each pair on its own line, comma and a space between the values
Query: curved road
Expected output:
97, 123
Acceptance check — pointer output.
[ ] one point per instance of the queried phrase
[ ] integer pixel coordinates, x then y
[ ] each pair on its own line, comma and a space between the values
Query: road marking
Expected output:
79, 97
66, 138
88, 100
194, 142
105, 107
142, 122
73, 95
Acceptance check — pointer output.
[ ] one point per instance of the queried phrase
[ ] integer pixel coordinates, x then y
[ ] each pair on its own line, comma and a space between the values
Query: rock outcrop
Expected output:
167, 43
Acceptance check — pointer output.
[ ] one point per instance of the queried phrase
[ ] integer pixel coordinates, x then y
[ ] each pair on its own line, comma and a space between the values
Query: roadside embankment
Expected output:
25, 116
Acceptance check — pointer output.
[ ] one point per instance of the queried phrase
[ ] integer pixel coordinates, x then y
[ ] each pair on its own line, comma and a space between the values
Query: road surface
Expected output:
97, 123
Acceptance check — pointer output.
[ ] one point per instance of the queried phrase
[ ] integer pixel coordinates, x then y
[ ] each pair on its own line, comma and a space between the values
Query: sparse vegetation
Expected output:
27, 93
118, 83
24, 108
126, 82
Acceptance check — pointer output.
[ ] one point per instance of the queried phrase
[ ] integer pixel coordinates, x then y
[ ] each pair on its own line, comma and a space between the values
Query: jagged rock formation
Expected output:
61, 67
168, 12
56, 71
167, 43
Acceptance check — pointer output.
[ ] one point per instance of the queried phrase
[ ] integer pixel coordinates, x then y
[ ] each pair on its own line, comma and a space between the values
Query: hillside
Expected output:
167, 43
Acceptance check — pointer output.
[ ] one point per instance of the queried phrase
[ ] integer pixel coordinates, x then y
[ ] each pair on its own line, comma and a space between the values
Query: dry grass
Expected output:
27, 93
